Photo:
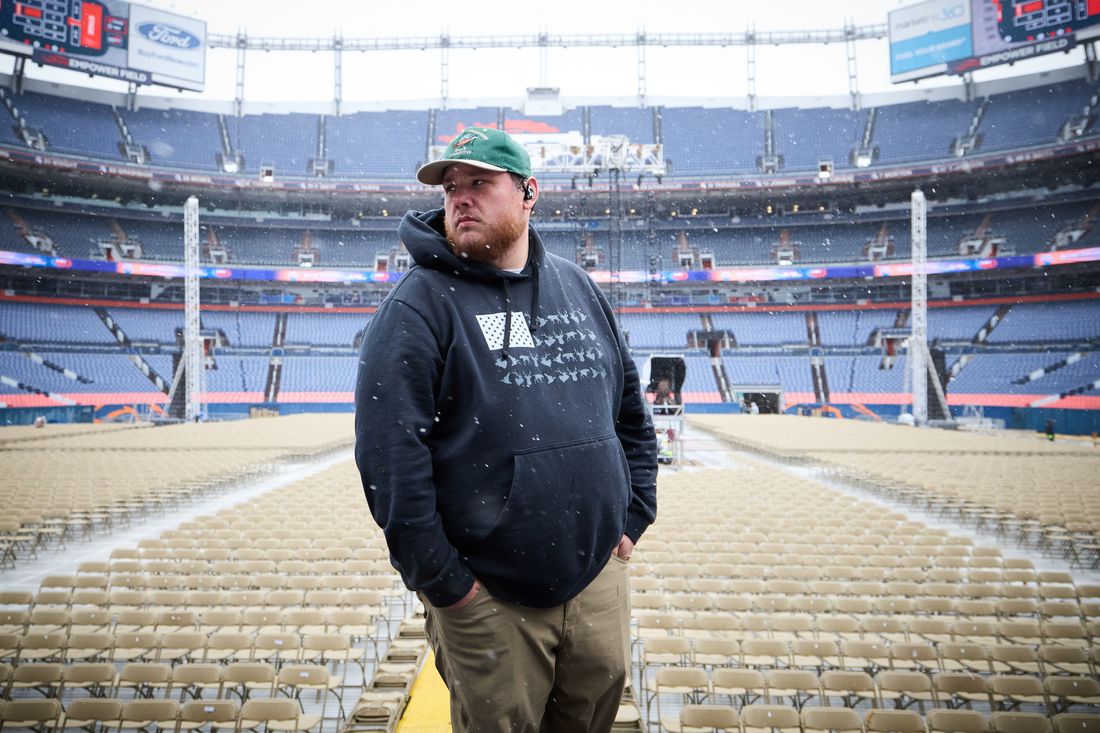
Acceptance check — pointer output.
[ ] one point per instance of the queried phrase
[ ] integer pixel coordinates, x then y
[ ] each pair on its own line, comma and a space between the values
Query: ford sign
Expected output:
168, 35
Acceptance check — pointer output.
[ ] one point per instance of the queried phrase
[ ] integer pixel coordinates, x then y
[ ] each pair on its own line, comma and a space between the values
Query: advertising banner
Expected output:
111, 38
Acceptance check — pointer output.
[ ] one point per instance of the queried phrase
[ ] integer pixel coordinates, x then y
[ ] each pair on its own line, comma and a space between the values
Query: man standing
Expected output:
505, 450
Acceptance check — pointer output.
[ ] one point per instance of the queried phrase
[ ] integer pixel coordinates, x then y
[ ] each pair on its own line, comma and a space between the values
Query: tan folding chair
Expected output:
146, 679
799, 686
956, 657
1076, 723
894, 721
232, 646
961, 689
244, 678
146, 714
88, 713
195, 678
703, 718
89, 646
957, 721
770, 719
181, 646
685, 684
276, 715
1015, 659
1010, 691
40, 647
850, 688
746, 686
1068, 691
831, 720
1060, 659
710, 652
276, 647
1015, 722
215, 714
905, 688
25, 714
14, 621
765, 653
134, 647
869, 656
46, 678
95, 677
294, 679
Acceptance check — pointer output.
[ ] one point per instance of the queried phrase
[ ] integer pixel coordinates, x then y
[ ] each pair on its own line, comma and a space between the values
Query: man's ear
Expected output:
530, 193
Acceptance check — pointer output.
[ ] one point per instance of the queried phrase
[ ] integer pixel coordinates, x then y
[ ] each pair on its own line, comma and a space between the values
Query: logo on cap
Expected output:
463, 141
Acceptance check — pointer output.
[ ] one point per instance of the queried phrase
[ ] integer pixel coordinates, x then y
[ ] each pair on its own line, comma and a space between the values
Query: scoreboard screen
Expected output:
110, 38
1024, 21
957, 36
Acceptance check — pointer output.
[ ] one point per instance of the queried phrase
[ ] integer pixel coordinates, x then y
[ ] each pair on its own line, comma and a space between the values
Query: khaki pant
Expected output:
536, 670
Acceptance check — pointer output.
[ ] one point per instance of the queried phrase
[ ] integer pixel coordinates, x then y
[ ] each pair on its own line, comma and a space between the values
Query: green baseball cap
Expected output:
481, 147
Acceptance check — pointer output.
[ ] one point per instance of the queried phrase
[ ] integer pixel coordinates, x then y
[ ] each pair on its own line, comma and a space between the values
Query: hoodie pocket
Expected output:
566, 509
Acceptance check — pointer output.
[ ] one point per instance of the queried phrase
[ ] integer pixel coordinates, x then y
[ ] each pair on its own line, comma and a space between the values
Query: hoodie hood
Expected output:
422, 233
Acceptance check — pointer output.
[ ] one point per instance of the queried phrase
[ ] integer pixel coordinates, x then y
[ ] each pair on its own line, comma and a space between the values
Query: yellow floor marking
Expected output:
429, 709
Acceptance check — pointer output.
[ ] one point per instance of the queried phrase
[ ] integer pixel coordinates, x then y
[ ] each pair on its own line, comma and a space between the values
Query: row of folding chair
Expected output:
800, 688
361, 607
344, 528
880, 556
282, 713
838, 565
889, 688
822, 655
706, 599
353, 639
154, 680
98, 573
874, 627
382, 577
355, 547
710, 718
104, 610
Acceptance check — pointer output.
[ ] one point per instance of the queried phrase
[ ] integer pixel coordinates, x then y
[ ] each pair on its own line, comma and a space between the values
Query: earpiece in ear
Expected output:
528, 192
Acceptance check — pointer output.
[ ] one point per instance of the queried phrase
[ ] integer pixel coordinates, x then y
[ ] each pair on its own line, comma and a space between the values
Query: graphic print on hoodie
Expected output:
500, 426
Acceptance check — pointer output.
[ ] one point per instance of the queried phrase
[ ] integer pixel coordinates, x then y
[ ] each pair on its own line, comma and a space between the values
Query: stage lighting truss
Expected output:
568, 154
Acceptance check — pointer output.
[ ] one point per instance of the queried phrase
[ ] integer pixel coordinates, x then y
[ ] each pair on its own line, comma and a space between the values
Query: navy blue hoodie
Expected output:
501, 431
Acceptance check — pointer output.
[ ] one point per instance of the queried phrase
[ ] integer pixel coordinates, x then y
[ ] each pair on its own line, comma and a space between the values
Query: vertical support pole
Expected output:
853, 75
17, 74
544, 59
615, 245
192, 341
750, 52
338, 73
968, 86
238, 102
1092, 69
641, 68
444, 70
918, 318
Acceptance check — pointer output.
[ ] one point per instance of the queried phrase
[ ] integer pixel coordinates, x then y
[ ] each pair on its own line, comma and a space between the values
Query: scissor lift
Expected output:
663, 375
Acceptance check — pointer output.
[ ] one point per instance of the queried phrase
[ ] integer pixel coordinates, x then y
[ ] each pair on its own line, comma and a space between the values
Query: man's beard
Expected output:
501, 237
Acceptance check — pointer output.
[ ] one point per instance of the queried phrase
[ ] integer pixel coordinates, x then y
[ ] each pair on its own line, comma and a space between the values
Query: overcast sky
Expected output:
415, 76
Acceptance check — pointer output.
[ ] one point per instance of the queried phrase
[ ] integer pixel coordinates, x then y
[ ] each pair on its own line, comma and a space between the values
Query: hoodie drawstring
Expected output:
535, 295
507, 321
534, 324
